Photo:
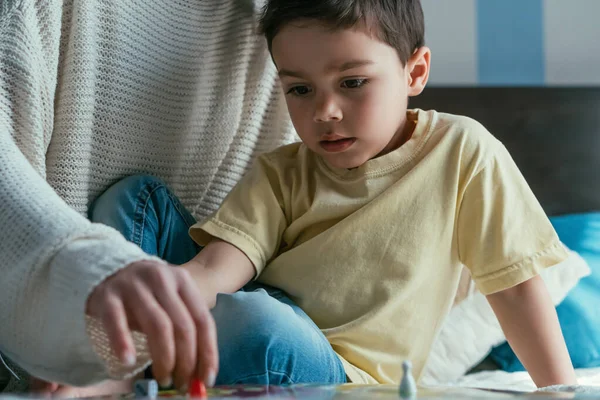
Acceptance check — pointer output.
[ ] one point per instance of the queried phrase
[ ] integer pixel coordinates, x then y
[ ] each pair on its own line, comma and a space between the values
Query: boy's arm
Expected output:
220, 268
530, 323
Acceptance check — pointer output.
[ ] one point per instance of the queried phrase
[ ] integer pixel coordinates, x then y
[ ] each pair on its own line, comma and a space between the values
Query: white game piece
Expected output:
408, 386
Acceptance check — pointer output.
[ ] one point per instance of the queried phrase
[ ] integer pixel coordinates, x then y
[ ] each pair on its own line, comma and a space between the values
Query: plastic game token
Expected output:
147, 388
197, 389
408, 386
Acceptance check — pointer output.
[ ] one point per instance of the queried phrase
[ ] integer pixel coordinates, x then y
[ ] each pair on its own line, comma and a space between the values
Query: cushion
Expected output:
471, 330
579, 313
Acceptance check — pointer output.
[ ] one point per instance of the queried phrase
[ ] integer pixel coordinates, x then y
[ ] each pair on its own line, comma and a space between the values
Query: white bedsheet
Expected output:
520, 381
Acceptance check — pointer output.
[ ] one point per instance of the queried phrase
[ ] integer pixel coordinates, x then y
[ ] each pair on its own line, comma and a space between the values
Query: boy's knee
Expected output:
262, 340
255, 322
254, 310
120, 195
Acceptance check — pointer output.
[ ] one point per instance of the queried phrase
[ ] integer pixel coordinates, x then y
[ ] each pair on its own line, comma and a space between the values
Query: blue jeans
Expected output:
264, 338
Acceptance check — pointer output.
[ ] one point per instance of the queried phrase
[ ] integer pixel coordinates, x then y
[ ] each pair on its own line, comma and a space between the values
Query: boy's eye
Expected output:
299, 90
354, 83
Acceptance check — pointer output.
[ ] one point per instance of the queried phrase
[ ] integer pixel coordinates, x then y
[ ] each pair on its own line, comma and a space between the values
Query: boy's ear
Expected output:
418, 70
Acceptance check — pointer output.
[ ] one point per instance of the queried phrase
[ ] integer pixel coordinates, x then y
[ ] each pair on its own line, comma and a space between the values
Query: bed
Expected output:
588, 378
553, 135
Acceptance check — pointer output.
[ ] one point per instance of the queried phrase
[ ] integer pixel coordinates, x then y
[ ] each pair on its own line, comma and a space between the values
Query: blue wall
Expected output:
514, 42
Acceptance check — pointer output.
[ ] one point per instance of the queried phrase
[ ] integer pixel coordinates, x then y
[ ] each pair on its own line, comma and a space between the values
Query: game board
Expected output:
359, 392
345, 392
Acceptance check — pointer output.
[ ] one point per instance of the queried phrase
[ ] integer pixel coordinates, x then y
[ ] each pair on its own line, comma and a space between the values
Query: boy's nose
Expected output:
326, 110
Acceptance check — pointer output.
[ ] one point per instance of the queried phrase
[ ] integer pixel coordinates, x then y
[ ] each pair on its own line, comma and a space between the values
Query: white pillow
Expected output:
471, 329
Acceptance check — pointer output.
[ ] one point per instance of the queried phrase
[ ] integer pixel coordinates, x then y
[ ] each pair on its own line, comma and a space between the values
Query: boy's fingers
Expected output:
116, 325
207, 364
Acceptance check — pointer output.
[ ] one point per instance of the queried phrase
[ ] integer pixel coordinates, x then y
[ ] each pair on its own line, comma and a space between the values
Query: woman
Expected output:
90, 92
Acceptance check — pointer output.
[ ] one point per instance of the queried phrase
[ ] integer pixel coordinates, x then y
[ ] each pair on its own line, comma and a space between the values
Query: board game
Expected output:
360, 392
344, 392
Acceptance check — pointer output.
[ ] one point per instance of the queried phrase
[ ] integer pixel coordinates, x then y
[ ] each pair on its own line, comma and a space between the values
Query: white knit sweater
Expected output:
92, 91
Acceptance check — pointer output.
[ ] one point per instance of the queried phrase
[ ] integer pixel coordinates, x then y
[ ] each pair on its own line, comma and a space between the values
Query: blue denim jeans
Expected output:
264, 338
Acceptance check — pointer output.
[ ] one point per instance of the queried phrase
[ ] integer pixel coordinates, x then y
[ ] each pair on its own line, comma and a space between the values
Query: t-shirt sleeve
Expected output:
251, 217
504, 236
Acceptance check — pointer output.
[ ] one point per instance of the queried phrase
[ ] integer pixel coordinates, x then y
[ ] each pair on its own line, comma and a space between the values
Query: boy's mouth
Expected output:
337, 145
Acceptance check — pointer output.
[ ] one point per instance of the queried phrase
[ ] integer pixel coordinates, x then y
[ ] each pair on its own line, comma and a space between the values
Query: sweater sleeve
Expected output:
51, 257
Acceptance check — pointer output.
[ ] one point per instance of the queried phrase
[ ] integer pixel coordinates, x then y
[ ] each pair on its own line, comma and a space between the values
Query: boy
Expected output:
364, 227
368, 222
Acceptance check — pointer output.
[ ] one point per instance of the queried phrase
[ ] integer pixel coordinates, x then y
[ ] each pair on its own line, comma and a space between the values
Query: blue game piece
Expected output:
408, 386
146, 388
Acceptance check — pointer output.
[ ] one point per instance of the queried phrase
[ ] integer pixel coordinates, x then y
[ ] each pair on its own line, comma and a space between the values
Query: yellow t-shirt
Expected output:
373, 255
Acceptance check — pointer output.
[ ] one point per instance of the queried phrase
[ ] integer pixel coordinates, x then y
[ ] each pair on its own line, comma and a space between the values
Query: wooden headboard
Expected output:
553, 134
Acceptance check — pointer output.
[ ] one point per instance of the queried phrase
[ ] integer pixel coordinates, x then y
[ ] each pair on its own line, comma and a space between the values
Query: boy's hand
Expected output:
164, 303
530, 324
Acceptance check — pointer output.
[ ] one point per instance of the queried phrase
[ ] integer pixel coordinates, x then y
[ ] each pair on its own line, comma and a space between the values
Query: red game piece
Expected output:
197, 389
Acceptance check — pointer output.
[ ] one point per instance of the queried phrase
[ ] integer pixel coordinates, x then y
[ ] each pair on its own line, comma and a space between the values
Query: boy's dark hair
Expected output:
399, 23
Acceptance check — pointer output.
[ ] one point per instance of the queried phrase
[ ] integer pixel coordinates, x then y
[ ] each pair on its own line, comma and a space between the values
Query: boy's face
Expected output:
346, 91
